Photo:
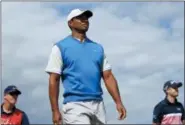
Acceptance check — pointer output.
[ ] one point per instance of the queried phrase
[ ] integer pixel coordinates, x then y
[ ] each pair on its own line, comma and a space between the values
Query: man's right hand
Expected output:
122, 111
54, 82
57, 118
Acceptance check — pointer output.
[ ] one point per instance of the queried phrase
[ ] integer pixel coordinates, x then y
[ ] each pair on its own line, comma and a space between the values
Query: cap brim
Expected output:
177, 85
88, 13
16, 92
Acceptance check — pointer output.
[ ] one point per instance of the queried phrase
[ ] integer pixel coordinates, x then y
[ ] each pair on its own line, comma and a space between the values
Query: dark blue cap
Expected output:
12, 89
171, 84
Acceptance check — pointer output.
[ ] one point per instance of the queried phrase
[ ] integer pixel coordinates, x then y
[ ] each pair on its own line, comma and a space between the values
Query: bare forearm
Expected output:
112, 87
54, 93
183, 122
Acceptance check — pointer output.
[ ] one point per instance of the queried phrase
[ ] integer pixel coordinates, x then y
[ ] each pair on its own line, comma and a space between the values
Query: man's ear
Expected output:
70, 23
167, 91
5, 97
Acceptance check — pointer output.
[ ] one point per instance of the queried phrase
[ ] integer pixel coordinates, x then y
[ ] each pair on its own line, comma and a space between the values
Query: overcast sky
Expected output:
144, 43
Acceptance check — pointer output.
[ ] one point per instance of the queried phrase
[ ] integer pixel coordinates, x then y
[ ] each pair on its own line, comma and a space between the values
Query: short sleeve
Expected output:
25, 120
183, 112
157, 114
54, 64
106, 64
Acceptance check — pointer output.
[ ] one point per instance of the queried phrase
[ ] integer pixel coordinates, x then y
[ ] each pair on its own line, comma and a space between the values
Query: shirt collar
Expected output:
168, 102
79, 39
3, 112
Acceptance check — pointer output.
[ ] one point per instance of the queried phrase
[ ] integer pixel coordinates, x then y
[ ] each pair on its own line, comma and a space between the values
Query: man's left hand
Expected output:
121, 110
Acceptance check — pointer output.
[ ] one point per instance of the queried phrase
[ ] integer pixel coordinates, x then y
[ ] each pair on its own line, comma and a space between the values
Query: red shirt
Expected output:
13, 118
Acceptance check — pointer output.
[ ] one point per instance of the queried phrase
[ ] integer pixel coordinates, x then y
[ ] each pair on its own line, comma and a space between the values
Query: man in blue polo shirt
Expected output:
169, 111
80, 63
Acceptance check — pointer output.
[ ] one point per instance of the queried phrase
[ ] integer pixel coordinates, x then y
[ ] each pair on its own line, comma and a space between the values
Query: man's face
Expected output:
80, 23
174, 92
11, 98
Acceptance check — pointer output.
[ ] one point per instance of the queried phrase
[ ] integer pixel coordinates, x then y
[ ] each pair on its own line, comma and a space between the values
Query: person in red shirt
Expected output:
9, 113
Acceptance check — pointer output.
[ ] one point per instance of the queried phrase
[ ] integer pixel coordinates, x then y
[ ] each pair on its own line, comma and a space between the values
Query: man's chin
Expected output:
176, 96
83, 30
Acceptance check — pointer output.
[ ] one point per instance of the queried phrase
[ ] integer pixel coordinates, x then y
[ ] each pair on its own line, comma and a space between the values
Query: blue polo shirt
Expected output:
81, 71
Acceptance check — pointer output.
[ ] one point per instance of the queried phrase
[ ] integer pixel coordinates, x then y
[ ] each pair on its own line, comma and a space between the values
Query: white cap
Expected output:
78, 12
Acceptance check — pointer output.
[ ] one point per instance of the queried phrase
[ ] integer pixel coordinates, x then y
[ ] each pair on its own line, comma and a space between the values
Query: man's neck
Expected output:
7, 108
171, 99
79, 36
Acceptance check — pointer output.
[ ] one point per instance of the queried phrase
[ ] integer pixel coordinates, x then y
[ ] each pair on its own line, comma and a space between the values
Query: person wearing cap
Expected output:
170, 110
9, 113
81, 63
